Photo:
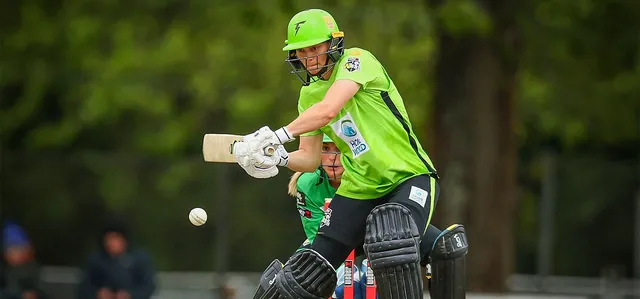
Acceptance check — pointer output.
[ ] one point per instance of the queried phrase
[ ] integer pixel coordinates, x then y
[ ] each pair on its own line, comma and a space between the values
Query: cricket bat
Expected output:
218, 148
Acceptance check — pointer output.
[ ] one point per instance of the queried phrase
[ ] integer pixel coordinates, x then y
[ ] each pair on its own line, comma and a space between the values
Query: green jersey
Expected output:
373, 131
313, 189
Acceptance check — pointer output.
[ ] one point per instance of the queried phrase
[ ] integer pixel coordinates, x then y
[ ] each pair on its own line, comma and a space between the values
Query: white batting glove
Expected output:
241, 152
279, 158
265, 136
261, 173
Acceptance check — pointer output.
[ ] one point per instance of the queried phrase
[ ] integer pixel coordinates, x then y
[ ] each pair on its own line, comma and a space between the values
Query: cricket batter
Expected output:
312, 188
387, 194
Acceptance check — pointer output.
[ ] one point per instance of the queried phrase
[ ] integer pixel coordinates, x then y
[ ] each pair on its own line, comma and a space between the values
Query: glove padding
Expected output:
280, 158
263, 138
241, 152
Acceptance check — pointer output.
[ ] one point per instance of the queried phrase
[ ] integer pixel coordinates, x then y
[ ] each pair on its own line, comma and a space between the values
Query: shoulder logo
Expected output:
352, 64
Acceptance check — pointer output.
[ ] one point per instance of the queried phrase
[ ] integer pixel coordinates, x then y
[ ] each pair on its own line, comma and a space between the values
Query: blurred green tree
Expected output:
474, 125
532, 76
104, 104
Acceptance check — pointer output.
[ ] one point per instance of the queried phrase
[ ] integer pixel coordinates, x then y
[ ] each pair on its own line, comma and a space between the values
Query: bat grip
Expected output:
269, 150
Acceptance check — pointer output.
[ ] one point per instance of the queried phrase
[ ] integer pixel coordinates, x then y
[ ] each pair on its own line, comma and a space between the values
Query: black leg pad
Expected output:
392, 246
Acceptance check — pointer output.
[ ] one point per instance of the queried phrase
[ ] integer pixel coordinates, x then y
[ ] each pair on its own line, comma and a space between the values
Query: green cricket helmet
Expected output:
307, 28
326, 138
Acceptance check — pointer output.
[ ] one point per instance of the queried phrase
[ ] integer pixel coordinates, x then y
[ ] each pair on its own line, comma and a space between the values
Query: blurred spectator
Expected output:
118, 270
21, 273
227, 292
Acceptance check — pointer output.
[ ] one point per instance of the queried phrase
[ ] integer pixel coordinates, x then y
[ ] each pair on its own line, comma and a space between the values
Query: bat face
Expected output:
218, 148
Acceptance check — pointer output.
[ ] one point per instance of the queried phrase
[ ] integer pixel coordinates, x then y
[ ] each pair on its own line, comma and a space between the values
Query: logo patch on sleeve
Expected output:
352, 64
418, 195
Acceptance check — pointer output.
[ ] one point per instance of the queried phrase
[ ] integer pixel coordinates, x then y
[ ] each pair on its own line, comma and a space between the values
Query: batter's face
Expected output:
314, 58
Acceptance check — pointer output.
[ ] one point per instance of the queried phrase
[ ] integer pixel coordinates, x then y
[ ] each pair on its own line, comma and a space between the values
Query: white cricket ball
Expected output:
197, 216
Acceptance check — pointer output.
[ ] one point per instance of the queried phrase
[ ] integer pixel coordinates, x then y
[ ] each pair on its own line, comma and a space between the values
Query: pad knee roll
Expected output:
307, 275
448, 267
392, 247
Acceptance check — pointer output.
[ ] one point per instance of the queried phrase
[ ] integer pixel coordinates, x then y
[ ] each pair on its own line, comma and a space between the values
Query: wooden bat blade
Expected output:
218, 148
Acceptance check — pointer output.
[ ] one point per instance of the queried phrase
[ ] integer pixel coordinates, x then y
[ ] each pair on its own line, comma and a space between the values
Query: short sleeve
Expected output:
302, 108
361, 67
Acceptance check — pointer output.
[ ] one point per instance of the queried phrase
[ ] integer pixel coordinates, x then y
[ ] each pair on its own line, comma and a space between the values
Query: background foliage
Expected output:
104, 104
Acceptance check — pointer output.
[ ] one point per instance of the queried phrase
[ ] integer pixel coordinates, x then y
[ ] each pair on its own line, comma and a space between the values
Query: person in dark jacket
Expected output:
118, 270
21, 271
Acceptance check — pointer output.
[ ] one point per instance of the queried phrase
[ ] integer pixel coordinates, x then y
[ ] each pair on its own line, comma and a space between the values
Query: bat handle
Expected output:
269, 150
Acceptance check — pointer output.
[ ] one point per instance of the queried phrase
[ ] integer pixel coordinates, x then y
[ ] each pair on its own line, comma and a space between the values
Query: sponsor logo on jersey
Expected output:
301, 199
326, 219
348, 131
346, 126
305, 213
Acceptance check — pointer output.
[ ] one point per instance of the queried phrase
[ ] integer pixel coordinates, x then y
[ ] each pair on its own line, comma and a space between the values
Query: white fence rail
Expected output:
202, 285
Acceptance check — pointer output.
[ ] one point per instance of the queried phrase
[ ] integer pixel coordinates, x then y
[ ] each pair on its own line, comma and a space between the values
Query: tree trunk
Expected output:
475, 147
